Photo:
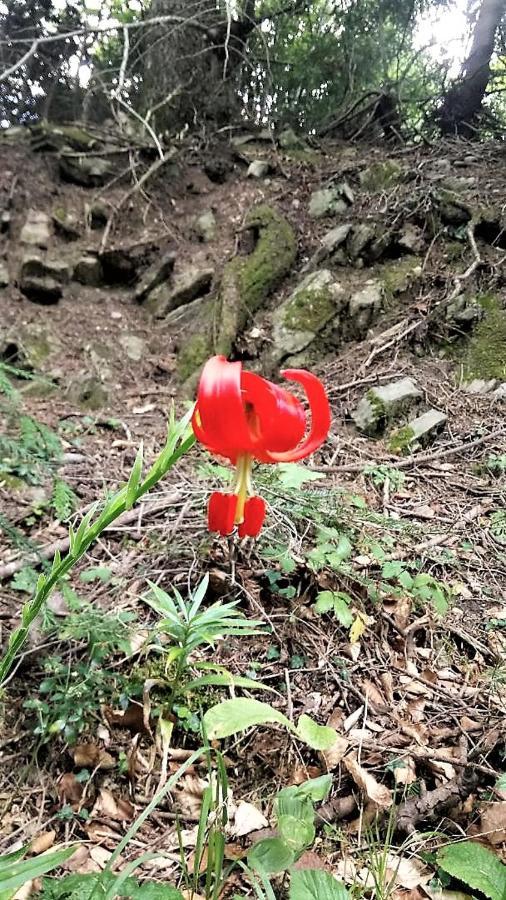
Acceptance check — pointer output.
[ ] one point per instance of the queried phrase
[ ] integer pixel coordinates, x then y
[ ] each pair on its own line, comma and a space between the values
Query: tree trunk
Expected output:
190, 71
463, 101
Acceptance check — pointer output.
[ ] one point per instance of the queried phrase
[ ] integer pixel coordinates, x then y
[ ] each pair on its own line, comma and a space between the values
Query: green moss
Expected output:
247, 282
485, 355
304, 155
12, 482
397, 277
309, 310
401, 440
381, 175
194, 352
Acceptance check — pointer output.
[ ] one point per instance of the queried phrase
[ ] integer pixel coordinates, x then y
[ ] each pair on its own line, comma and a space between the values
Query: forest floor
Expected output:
417, 691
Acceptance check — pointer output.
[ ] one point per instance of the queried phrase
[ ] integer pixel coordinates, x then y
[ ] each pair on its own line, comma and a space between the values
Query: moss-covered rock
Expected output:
248, 281
317, 300
397, 277
418, 432
381, 175
485, 353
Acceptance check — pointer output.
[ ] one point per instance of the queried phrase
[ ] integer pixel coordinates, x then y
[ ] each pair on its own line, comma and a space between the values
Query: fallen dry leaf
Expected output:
110, 807
70, 790
100, 856
333, 756
132, 717
247, 819
86, 755
372, 693
405, 772
493, 822
310, 860
189, 795
43, 842
380, 795
406, 873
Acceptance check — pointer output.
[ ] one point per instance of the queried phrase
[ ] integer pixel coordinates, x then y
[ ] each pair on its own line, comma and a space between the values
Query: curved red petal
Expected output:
254, 515
320, 417
219, 421
277, 419
221, 512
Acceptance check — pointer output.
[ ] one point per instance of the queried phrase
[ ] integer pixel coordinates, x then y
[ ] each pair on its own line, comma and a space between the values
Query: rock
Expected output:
381, 175
411, 239
36, 345
382, 404
452, 209
358, 239
480, 386
4, 275
49, 137
205, 226
418, 432
500, 392
66, 224
41, 290
186, 285
326, 202
259, 168
88, 271
88, 392
98, 215
397, 277
37, 229
288, 140
218, 169
134, 346
364, 308
157, 274
87, 171
317, 300
41, 279
463, 312
119, 266
330, 243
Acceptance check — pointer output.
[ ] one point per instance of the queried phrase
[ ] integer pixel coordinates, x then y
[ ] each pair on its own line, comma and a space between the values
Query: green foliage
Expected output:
337, 602
190, 628
498, 525
63, 500
179, 440
234, 716
84, 887
380, 474
15, 871
495, 465
30, 451
315, 884
476, 866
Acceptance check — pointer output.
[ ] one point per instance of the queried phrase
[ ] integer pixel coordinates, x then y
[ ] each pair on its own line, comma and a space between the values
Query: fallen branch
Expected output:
38, 556
416, 459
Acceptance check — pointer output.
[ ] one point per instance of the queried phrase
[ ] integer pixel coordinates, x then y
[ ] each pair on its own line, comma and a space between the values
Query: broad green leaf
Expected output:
476, 866
291, 475
233, 716
316, 884
324, 602
317, 789
342, 610
270, 856
392, 569
319, 737
297, 833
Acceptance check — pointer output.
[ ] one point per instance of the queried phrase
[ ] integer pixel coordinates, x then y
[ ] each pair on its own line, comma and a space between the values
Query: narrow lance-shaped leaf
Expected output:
135, 477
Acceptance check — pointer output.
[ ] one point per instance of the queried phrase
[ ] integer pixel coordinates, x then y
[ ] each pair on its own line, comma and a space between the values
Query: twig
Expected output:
416, 459
63, 545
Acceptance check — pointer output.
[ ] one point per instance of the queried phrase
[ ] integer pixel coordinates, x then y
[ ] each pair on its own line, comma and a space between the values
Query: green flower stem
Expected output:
178, 443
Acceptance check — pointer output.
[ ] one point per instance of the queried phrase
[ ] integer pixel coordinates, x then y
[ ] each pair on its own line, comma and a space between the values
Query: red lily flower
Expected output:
244, 417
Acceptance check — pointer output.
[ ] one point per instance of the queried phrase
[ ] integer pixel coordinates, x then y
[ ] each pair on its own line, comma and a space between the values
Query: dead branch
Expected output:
35, 558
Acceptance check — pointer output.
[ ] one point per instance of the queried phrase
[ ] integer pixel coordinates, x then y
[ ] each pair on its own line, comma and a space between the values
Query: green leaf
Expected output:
270, 856
135, 478
15, 874
392, 569
477, 867
96, 573
233, 716
317, 789
342, 610
500, 784
319, 737
291, 475
297, 833
227, 680
315, 884
324, 602
406, 580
